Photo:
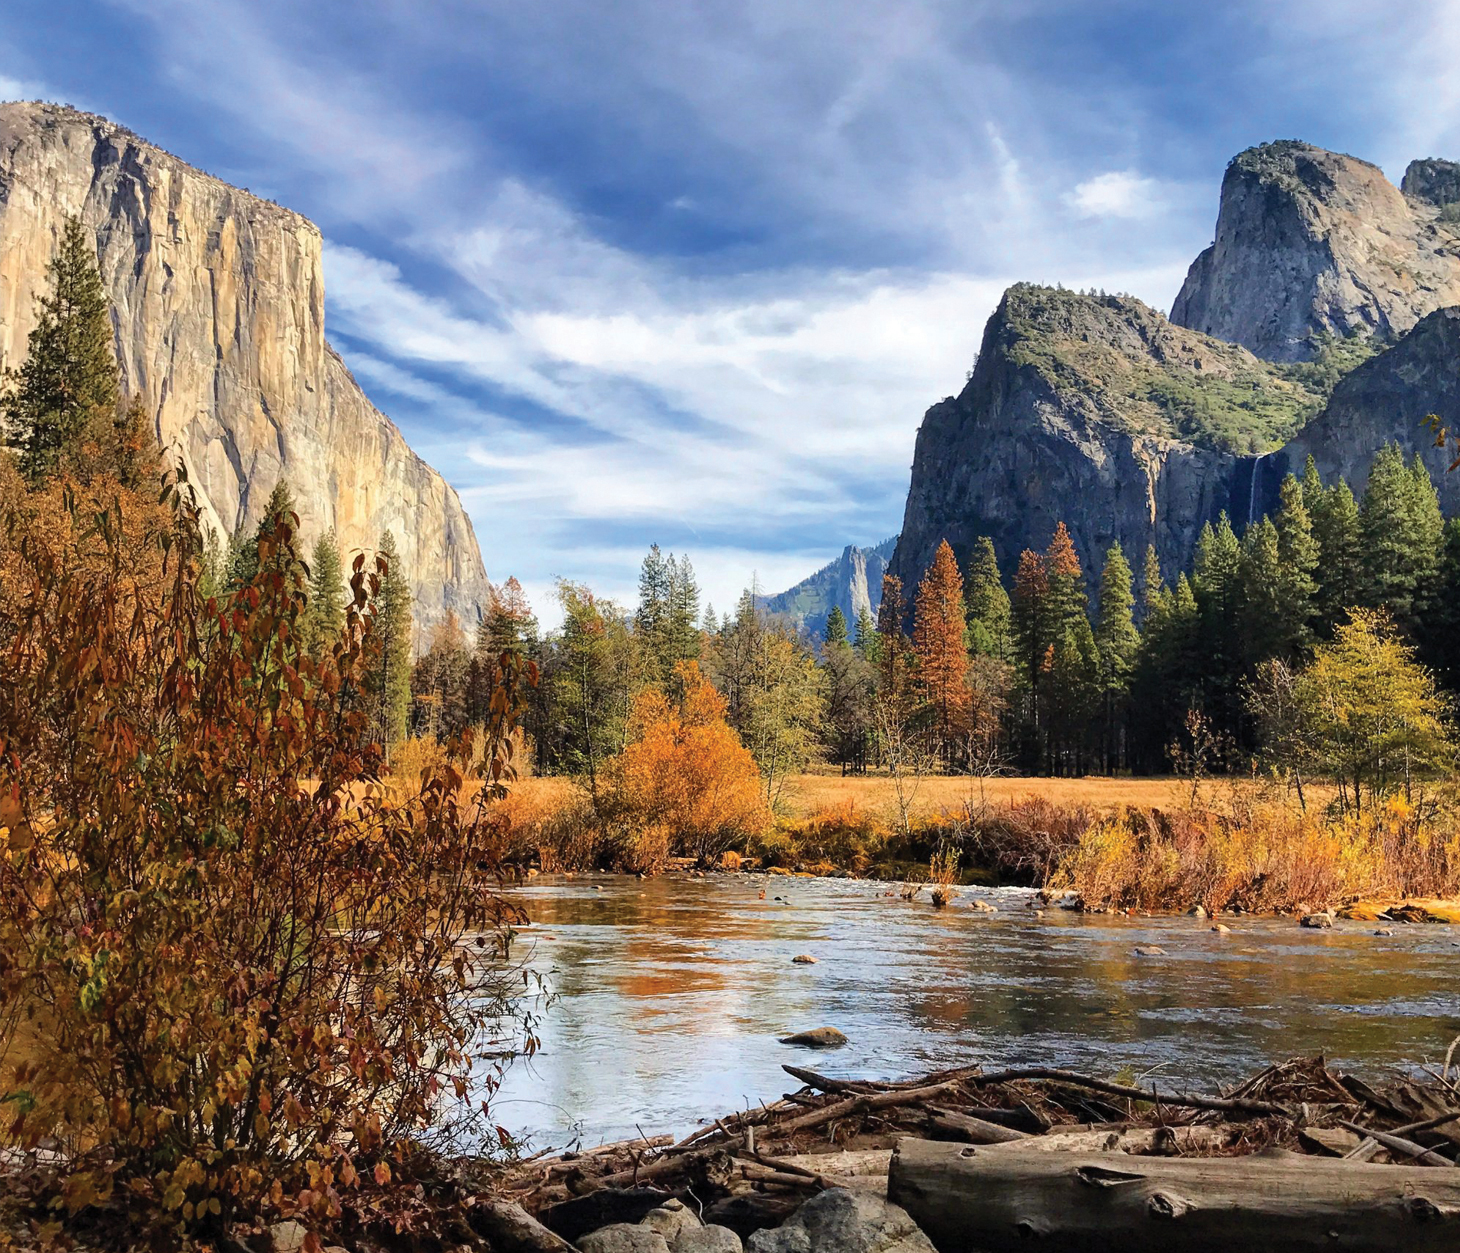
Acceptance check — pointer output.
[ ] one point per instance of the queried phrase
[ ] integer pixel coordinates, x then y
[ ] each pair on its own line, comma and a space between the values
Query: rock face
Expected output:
1387, 399
851, 583
218, 301
1311, 241
1434, 182
1098, 412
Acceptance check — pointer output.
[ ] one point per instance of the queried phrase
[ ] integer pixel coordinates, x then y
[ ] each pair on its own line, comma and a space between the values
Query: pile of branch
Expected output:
750, 1166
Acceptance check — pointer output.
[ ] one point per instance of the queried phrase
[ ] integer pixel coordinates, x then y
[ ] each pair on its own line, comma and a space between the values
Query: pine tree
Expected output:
938, 641
836, 628
70, 371
867, 641
892, 645
1336, 529
1152, 586
325, 617
990, 625
389, 683
1400, 527
1312, 486
1441, 633
1265, 627
1298, 553
1217, 589
681, 630
1117, 643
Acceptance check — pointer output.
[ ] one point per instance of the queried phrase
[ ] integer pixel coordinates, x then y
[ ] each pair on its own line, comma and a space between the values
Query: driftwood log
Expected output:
971, 1199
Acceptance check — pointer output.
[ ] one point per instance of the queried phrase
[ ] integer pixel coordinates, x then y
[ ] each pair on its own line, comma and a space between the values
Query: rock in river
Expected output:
818, 1038
804, 959
841, 1221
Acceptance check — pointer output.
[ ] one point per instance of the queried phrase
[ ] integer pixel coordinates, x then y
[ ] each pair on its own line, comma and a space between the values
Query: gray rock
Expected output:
1309, 240
707, 1239
842, 1221
1150, 950
1197, 911
1316, 920
671, 1220
218, 299
817, 1038
623, 1238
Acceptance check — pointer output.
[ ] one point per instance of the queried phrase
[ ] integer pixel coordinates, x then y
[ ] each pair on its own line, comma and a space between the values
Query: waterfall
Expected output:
1252, 490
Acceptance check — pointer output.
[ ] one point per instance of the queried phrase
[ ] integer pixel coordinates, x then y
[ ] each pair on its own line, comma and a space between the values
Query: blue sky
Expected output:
690, 273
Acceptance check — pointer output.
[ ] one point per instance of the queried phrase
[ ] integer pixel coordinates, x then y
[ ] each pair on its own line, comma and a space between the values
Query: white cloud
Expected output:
1117, 194
769, 393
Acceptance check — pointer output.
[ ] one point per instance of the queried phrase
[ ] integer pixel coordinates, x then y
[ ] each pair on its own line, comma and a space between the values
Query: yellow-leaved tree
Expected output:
1370, 714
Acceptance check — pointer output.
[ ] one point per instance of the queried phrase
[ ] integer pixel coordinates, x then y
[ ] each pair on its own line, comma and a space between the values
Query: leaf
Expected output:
382, 1173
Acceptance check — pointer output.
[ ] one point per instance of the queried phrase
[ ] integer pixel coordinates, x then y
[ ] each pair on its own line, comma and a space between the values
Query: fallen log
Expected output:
1162, 1141
971, 1130
993, 1199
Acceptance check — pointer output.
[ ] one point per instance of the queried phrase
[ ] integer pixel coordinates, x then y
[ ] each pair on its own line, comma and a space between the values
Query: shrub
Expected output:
244, 961
685, 782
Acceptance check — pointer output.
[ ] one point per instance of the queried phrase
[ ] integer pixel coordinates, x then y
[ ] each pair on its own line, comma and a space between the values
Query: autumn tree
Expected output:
69, 377
250, 976
439, 682
1371, 712
942, 655
684, 780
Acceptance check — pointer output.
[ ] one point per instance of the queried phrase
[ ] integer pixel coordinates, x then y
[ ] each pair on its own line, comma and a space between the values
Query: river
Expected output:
670, 993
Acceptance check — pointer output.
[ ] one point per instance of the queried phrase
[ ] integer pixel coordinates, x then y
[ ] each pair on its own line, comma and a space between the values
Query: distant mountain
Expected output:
852, 582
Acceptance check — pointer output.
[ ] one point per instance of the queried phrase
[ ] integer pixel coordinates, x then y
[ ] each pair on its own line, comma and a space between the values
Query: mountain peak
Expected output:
1310, 242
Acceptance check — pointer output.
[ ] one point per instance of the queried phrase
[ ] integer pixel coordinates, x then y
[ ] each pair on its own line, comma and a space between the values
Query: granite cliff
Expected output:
218, 303
1096, 411
1320, 321
1311, 241
851, 583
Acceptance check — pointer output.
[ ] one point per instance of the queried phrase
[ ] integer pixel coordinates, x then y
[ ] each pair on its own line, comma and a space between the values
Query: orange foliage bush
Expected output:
250, 971
685, 782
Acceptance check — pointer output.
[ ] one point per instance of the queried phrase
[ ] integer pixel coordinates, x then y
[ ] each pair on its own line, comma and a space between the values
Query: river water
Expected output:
670, 993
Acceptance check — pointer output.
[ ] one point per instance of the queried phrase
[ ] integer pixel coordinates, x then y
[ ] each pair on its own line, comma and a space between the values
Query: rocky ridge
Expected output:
218, 301
852, 583
1319, 322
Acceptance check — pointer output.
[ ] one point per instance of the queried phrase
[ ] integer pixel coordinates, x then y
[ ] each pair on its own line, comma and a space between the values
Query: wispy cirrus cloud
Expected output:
690, 275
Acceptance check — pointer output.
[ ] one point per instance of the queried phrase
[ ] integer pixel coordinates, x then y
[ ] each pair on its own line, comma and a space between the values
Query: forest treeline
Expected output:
1046, 673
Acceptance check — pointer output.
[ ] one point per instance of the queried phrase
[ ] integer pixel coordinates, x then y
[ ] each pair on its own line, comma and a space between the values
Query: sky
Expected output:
690, 273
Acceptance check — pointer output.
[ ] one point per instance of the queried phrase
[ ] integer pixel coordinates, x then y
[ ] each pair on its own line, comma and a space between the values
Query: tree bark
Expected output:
971, 1199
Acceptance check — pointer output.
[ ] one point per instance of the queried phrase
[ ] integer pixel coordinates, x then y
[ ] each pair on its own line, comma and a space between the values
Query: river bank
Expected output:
1247, 846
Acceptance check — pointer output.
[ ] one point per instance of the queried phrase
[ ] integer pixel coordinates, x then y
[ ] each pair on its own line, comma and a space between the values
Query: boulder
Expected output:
581, 1214
804, 959
623, 1238
707, 1239
842, 1221
509, 1228
1150, 950
817, 1038
1317, 921
671, 1220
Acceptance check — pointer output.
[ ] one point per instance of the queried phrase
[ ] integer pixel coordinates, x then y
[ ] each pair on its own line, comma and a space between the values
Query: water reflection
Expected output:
671, 994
